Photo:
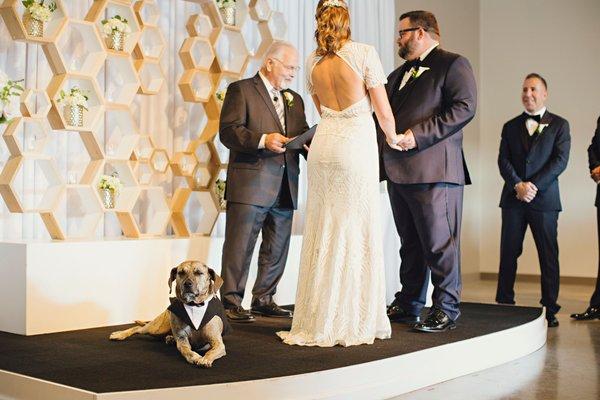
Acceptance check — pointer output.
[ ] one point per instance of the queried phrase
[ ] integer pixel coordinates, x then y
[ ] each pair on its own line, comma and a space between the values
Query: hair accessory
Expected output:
334, 3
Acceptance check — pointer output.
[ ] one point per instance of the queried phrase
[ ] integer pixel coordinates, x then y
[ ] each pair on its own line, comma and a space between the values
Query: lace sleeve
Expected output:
373, 70
308, 68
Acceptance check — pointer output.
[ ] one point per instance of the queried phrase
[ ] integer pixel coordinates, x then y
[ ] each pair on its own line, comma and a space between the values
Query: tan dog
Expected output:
195, 285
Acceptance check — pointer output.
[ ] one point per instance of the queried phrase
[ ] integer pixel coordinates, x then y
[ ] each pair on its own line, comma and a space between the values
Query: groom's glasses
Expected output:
403, 31
290, 68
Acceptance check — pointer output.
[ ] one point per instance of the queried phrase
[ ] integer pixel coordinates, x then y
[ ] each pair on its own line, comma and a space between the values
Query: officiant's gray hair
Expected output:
277, 48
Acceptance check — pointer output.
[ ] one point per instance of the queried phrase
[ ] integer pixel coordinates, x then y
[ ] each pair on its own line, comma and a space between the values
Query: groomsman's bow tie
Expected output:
536, 118
416, 63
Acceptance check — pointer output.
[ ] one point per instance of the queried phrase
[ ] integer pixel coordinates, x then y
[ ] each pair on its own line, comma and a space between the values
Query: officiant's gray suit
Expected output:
425, 184
261, 189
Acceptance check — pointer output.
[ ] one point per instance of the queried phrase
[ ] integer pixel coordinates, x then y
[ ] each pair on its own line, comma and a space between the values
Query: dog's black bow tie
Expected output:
536, 118
192, 304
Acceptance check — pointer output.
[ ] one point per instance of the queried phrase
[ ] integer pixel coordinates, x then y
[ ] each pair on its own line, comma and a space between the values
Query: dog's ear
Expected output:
172, 277
216, 281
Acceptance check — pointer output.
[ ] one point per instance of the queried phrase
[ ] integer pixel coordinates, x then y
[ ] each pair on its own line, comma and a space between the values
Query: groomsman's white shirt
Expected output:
270, 89
408, 73
531, 123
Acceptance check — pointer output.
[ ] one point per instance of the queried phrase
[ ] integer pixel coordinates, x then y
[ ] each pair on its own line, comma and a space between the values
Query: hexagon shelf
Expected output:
183, 164
121, 133
277, 25
143, 173
105, 9
66, 82
200, 25
257, 39
14, 14
121, 81
147, 12
259, 10
78, 49
150, 215
159, 161
26, 136
76, 215
144, 148
151, 77
208, 164
195, 85
35, 103
201, 209
197, 53
151, 43
39, 192
231, 50
126, 199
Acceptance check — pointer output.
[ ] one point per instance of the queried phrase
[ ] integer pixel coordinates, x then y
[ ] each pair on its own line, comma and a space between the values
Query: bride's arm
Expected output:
384, 114
317, 103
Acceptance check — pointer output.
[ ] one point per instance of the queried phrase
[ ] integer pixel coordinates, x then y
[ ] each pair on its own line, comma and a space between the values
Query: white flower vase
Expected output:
34, 27
74, 115
108, 198
228, 14
116, 41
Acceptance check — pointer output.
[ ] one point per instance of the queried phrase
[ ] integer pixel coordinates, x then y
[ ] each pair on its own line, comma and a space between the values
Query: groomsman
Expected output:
534, 151
433, 96
593, 311
258, 116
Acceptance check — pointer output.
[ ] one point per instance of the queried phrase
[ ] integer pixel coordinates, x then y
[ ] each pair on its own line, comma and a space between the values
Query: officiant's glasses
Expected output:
403, 31
290, 68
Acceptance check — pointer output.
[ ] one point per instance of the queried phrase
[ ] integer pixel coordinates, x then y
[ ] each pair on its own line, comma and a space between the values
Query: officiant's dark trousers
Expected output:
428, 220
544, 228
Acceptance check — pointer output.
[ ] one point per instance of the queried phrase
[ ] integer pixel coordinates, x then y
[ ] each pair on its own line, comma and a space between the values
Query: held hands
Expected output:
275, 142
403, 142
526, 191
595, 174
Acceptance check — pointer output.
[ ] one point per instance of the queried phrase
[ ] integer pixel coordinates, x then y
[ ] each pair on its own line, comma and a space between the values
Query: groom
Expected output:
258, 116
433, 96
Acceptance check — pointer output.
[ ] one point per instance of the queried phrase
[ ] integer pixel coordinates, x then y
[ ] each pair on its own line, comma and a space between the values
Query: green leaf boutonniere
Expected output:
541, 128
419, 72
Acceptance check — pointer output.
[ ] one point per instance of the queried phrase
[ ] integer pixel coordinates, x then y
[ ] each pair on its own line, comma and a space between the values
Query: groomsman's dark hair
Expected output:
425, 20
538, 76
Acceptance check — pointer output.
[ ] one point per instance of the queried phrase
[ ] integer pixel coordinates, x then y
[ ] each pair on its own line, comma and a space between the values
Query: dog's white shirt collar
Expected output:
196, 313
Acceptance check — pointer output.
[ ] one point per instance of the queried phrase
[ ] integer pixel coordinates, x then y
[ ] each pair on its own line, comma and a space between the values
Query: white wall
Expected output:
505, 40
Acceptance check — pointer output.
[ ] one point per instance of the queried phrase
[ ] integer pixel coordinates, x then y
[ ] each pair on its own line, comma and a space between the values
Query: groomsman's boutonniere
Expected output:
541, 128
289, 99
419, 72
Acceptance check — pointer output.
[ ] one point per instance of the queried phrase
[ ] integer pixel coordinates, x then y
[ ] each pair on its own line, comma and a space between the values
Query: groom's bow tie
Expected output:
536, 118
416, 63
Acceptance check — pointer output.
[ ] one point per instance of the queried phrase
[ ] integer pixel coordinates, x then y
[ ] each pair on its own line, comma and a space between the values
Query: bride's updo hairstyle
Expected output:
333, 26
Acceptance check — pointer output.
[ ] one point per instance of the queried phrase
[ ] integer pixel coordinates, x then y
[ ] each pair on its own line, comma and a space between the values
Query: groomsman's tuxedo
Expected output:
262, 186
425, 184
594, 162
538, 154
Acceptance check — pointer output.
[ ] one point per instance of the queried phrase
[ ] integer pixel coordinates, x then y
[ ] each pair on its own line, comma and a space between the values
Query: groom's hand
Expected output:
275, 141
407, 141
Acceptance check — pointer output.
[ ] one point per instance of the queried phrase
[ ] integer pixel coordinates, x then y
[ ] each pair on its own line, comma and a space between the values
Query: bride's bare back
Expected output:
336, 85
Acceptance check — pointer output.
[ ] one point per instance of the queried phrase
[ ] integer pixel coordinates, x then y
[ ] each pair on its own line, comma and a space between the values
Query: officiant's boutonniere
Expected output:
289, 99
541, 128
418, 73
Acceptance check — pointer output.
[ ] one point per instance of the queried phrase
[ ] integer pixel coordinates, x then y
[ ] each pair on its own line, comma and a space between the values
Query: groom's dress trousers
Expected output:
594, 162
539, 157
425, 184
261, 189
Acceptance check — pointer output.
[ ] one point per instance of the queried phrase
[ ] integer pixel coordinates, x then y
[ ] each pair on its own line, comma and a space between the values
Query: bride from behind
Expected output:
340, 297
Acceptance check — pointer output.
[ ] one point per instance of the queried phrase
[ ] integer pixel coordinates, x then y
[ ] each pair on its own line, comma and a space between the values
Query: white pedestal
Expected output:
58, 286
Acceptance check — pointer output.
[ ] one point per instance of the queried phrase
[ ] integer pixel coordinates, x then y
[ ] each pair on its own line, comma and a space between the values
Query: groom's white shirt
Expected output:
407, 74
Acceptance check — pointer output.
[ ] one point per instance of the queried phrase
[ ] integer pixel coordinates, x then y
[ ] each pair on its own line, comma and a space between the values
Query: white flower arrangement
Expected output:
225, 3
220, 186
75, 97
111, 183
10, 91
116, 24
289, 99
220, 95
39, 10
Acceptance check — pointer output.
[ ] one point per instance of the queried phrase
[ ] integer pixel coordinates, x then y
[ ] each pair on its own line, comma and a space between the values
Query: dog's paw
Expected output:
169, 339
204, 362
119, 335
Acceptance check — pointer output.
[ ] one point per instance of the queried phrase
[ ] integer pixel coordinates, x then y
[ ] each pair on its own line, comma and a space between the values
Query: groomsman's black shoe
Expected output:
397, 314
271, 310
590, 313
436, 321
239, 314
552, 321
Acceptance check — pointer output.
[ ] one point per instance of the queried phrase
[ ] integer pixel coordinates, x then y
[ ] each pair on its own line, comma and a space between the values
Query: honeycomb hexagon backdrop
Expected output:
213, 55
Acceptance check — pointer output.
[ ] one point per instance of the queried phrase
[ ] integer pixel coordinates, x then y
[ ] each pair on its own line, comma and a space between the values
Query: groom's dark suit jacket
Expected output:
255, 176
539, 159
594, 157
435, 106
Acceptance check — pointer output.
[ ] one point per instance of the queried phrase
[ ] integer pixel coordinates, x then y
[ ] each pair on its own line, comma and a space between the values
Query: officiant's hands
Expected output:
275, 142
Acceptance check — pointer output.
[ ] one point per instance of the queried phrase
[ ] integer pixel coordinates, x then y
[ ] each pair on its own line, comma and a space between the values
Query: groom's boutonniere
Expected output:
541, 128
289, 99
419, 72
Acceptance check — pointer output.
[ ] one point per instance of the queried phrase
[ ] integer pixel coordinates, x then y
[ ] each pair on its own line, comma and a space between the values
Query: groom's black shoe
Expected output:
238, 314
271, 310
436, 321
590, 313
397, 314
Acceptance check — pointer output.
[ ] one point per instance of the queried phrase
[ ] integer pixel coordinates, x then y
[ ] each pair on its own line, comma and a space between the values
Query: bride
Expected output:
340, 297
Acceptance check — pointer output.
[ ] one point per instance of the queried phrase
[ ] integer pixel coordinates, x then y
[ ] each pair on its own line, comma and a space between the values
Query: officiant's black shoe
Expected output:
397, 314
589, 314
271, 310
552, 321
436, 321
239, 314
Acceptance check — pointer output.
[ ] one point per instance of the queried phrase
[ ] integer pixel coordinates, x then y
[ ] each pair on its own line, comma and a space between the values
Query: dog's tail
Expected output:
141, 323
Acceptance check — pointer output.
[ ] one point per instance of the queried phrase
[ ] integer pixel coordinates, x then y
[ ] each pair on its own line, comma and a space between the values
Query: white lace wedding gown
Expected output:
340, 298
